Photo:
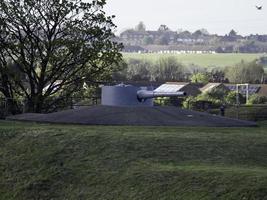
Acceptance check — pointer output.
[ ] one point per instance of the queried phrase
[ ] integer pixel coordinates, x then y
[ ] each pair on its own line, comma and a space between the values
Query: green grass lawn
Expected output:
204, 60
121, 162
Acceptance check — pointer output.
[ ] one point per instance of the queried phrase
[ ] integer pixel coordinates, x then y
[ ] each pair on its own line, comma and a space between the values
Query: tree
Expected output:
168, 69
231, 37
56, 45
216, 96
204, 31
163, 40
200, 78
138, 70
185, 34
148, 40
245, 72
230, 98
140, 27
7, 86
217, 75
163, 27
197, 34
232, 33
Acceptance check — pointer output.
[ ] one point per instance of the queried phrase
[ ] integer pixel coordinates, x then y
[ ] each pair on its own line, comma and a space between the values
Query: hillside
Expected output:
203, 60
103, 162
134, 116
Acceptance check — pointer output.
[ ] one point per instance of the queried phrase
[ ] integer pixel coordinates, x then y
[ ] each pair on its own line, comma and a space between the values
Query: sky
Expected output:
217, 16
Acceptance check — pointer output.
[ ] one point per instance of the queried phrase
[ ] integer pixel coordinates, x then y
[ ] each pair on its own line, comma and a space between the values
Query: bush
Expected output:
215, 96
200, 78
189, 102
256, 99
162, 101
230, 98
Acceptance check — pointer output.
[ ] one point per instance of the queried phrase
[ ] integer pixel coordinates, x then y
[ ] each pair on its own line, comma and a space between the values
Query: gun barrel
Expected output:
144, 94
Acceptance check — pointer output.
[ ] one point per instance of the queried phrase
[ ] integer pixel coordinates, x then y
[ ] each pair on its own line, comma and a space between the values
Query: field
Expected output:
203, 60
102, 162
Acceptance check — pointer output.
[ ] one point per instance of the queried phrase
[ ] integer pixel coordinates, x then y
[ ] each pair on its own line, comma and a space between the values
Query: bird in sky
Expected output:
259, 7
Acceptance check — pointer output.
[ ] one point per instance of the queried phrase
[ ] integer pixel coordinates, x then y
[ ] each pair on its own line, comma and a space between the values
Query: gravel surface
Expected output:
131, 115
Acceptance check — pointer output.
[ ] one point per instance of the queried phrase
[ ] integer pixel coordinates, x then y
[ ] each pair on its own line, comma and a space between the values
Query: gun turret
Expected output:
143, 95
128, 95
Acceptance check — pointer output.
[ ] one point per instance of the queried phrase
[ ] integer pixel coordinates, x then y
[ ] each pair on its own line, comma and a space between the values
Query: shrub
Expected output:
256, 99
200, 78
189, 102
230, 98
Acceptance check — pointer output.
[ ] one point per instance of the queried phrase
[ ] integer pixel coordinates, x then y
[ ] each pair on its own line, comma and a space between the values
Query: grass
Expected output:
204, 60
41, 161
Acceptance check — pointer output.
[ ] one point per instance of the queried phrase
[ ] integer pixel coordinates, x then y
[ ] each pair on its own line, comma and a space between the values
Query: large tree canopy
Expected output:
53, 45
245, 72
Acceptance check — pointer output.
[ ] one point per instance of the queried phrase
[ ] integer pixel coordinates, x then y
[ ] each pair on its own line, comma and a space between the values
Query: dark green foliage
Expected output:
230, 98
148, 40
215, 96
257, 99
56, 45
200, 78
190, 102
89, 162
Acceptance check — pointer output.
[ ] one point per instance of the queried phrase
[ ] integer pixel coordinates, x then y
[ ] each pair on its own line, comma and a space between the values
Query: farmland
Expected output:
203, 60
42, 161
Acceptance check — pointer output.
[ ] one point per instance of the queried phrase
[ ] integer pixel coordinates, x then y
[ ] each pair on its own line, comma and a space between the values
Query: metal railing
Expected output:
244, 112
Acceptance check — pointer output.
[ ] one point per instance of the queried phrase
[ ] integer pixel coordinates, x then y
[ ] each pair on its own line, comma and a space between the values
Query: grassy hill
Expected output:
205, 60
102, 162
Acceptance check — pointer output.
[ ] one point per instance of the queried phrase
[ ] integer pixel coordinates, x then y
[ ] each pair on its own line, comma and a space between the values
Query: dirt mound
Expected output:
130, 115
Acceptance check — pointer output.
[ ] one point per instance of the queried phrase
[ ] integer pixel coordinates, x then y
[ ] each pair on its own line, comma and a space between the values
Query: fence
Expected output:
244, 112
82, 102
248, 112
70, 103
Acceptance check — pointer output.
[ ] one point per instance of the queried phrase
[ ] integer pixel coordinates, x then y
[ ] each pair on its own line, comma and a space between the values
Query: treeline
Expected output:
169, 69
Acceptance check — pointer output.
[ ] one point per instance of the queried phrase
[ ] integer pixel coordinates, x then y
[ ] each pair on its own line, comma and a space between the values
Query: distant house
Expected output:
212, 86
132, 37
189, 88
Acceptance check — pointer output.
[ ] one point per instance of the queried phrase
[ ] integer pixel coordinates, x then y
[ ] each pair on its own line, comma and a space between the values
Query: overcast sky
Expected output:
217, 16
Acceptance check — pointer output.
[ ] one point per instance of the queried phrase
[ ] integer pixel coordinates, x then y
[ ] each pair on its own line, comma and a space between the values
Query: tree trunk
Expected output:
39, 105
29, 106
34, 104
12, 107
